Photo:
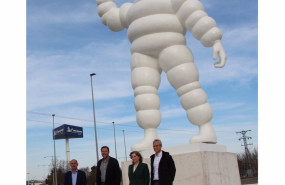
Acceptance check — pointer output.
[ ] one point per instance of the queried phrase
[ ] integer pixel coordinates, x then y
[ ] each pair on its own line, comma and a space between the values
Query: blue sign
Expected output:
68, 131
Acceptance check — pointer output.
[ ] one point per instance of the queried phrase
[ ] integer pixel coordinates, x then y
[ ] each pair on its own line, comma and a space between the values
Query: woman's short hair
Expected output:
137, 154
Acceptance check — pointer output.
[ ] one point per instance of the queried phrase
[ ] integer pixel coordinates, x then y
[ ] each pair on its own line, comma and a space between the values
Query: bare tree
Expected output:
86, 170
91, 178
248, 163
61, 169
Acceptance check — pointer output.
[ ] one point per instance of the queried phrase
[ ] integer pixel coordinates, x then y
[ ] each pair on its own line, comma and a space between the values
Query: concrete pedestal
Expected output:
198, 164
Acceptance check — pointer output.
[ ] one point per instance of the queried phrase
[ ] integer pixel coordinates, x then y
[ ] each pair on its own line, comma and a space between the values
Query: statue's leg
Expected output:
178, 63
145, 82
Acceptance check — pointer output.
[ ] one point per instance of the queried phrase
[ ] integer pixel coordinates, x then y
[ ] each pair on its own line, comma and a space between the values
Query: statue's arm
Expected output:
193, 17
111, 15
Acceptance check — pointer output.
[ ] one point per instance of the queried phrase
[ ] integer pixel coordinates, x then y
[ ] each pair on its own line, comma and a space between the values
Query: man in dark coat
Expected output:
75, 176
108, 169
162, 166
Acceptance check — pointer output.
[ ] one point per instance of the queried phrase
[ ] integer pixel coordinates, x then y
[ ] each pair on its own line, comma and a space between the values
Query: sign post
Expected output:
65, 132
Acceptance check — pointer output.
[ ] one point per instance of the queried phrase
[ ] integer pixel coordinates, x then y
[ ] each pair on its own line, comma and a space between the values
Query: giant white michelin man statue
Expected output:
156, 30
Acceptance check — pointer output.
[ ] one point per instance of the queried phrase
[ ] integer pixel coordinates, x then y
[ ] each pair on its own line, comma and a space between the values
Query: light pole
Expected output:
125, 145
28, 178
54, 150
96, 140
53, 177
115, 139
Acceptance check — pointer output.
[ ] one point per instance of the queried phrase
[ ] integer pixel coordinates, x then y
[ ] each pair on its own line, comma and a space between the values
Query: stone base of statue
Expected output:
197, 164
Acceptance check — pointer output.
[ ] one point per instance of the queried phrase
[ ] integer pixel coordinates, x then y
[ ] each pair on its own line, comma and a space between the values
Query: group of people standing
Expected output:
162, 167
109, 173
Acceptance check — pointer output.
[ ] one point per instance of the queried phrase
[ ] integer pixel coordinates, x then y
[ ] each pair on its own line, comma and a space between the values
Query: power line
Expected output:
125, 125
40, 121
244, 138
118, 124
65, 117
84, 126
122, 125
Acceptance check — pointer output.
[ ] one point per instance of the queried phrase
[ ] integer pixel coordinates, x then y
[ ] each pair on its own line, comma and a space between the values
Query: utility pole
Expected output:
115, 139
95, 127
55, 178
28, 178
52, 162
245, 144
125, 145
244, 138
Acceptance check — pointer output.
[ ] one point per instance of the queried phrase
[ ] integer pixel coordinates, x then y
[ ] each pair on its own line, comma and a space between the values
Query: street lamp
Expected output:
53, 168
125, 145
115, 138
96, 140
28, 177
55, 173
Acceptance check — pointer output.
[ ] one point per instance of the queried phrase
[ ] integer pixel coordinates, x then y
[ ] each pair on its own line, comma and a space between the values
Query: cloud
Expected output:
60, 79
240, 44
169, 112
239, 68
227, 105
122, 119
55, 79
242, 35
61, 12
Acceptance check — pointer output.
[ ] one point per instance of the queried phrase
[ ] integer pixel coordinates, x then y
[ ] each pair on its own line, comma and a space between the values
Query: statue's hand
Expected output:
102, 1
218, 49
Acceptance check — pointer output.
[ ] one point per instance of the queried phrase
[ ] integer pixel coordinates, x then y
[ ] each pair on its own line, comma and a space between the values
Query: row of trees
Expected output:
62, 167
248, 164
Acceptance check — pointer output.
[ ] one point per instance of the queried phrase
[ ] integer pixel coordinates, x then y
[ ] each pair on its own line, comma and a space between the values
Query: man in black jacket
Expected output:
162, 166
108, 169
75, 176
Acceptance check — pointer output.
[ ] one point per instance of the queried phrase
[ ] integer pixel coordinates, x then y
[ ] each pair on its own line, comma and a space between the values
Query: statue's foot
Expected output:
206, 135
146, 143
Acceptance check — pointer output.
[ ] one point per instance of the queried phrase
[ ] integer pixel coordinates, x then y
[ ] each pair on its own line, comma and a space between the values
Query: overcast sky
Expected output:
66, 41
